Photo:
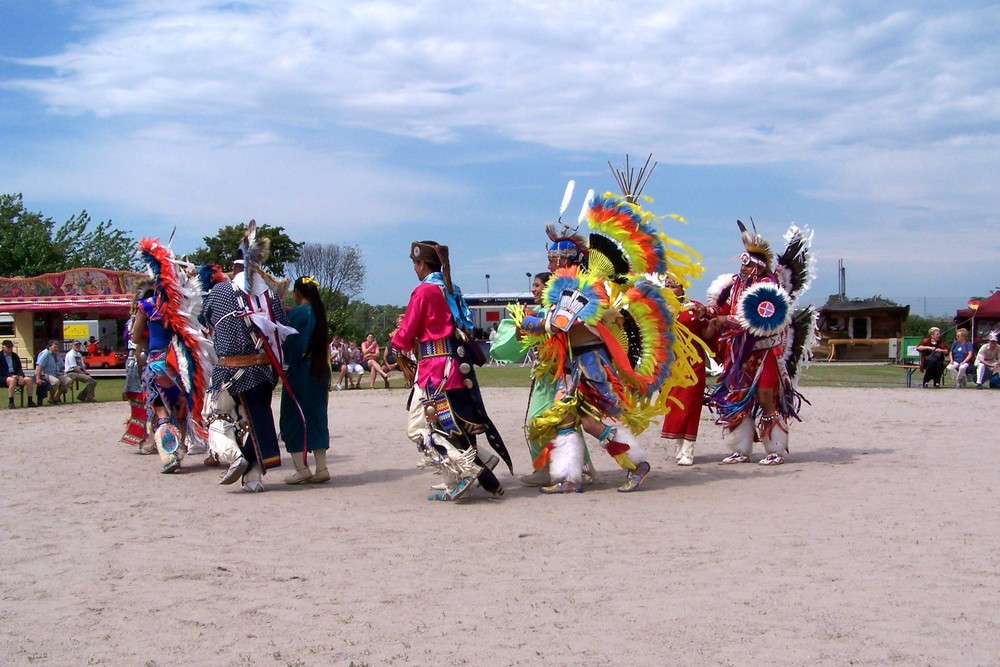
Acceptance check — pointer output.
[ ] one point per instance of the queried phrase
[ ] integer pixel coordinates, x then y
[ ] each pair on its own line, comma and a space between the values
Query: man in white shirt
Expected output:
75, 370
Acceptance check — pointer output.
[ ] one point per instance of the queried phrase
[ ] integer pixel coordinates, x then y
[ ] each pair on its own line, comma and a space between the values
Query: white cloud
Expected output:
231, 109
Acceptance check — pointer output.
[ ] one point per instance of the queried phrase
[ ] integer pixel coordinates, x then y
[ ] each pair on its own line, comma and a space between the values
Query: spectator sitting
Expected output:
337, 361
932, 355
988, 359
13, 375
369, 353
352, 365
389, 361
960, 357
48, 369
76, 370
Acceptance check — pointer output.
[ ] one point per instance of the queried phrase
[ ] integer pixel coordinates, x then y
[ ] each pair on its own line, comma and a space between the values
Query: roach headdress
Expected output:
758, 250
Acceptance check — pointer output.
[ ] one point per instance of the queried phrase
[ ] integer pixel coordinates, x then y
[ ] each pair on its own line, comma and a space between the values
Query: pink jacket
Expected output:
428, 318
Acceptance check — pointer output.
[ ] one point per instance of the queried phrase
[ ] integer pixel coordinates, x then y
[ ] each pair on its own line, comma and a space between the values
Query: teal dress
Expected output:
311, 392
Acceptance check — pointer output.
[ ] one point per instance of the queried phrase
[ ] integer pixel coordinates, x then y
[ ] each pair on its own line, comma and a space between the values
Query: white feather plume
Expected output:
566, 197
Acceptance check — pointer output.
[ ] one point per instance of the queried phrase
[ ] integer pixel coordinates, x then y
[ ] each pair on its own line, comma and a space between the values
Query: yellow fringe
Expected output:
545, 426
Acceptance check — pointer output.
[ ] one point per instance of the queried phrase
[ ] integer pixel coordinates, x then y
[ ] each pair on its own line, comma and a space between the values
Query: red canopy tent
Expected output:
986, 317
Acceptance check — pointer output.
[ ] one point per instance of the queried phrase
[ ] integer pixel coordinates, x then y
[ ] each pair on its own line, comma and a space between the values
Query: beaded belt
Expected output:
442, 347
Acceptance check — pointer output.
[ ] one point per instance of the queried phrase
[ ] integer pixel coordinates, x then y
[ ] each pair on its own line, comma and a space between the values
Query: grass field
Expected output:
817, 375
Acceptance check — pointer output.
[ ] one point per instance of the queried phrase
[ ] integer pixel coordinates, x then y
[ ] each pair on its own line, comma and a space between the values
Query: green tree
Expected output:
33, 245
354, 319
102, 246
222, 247
26, 247
918, 326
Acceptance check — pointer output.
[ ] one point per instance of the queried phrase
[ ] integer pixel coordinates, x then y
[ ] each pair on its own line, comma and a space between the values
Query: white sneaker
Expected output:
771, 460
685, 461
736, 457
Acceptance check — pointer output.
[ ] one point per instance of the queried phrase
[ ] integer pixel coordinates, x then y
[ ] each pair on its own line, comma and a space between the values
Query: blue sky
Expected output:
377, 123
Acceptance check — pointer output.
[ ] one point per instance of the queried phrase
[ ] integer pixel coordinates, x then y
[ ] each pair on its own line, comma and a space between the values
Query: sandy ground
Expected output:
876, 544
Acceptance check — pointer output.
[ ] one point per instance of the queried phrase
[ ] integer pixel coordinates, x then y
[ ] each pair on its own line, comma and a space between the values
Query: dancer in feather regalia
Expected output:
607, 337
249, 325
764, 343
178, 364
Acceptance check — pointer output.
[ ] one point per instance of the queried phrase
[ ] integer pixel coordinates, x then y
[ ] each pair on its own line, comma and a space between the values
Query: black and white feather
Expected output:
795, 267
800, 337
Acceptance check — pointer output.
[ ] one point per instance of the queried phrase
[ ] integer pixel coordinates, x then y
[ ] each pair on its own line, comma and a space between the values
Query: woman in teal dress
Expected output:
307, 356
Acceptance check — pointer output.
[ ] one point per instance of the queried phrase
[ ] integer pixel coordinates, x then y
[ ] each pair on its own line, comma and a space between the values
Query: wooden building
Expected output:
860, 329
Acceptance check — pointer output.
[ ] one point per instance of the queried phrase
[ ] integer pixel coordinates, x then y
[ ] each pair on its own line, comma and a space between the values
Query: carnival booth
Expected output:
33, 310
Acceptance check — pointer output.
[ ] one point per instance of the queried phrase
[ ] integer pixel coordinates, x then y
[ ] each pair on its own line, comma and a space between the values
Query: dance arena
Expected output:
875, 543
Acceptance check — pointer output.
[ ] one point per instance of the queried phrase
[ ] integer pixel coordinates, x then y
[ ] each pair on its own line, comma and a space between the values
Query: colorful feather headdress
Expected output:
210, 275
758, 250
624, 239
